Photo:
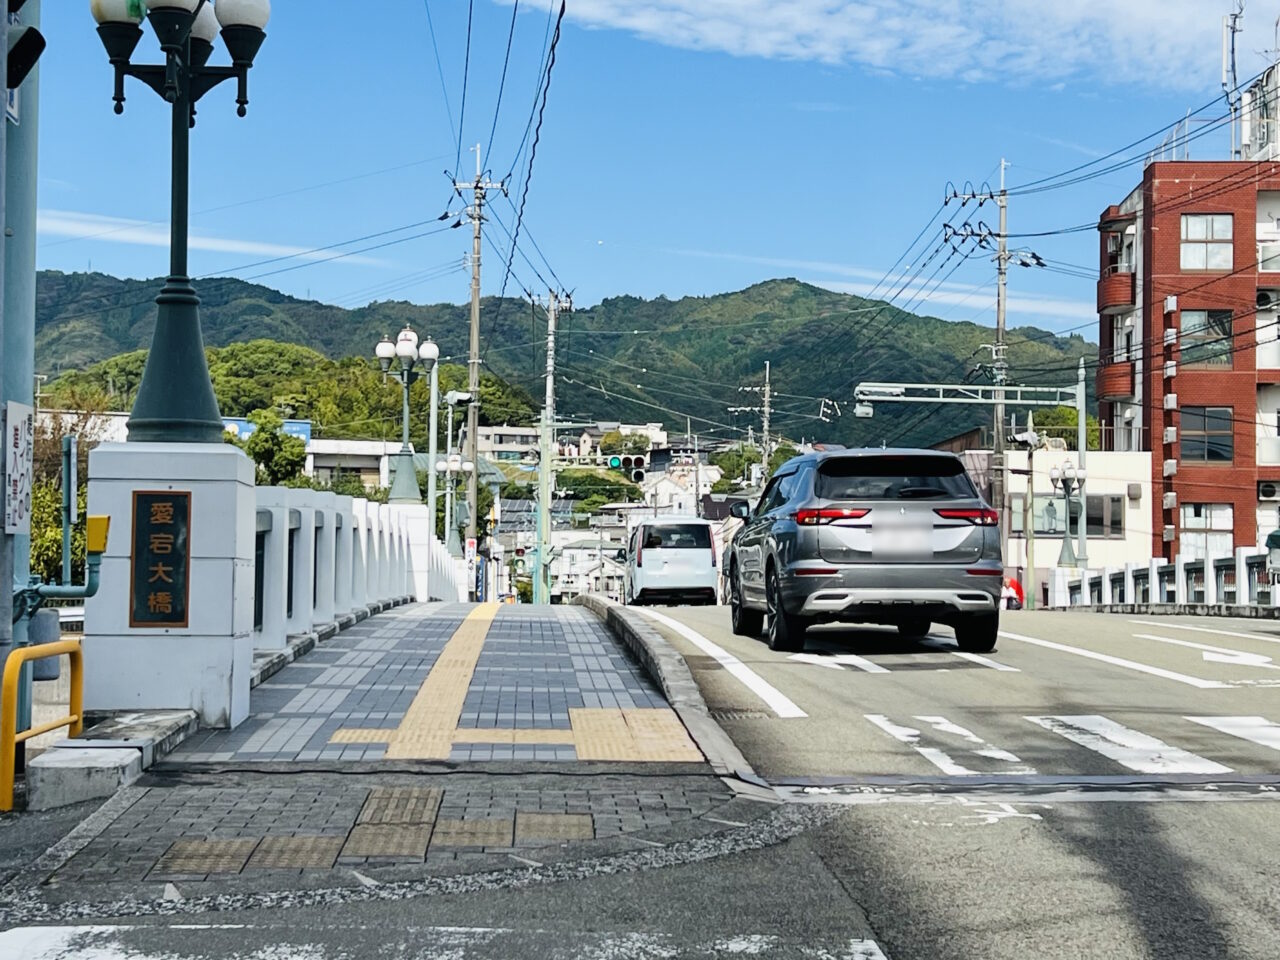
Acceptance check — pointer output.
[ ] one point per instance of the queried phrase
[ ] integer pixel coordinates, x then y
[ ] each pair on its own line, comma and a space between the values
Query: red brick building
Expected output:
1189, 360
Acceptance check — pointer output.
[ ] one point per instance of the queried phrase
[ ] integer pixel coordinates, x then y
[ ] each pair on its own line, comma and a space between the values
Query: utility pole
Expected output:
1000, 369
765, 410
697, 479
478, 187
546, 454
1029, 512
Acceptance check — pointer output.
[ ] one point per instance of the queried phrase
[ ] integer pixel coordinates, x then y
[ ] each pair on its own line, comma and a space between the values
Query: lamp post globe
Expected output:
206, 25
244, 13
429, 352
117, 11
385, 351
1055, 477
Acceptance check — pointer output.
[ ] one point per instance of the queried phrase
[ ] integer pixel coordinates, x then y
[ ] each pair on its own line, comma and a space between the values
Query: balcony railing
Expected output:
1118, 288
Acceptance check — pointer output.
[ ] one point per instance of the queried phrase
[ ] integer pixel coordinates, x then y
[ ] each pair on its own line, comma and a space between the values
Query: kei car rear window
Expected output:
677, 536
893, 478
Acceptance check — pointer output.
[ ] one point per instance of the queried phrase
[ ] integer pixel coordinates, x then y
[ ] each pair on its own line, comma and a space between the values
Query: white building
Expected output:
680, 487
507, 443
589, 442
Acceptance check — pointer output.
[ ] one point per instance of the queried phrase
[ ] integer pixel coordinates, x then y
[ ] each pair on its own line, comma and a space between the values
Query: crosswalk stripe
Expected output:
1137, 751
940, 758
1258, 730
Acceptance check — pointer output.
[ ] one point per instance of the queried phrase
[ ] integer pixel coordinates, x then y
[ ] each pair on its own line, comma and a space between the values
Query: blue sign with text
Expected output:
243, 428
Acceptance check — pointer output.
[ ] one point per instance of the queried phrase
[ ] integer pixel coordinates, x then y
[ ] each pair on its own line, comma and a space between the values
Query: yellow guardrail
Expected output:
9, 736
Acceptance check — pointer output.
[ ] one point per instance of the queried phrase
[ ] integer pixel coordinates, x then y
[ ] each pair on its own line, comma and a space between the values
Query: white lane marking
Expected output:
1221, 633
974, 658
1137, 751
839, 661
1258, 730
1198, 682
1216, 654
984, 749
775, 699
107, 943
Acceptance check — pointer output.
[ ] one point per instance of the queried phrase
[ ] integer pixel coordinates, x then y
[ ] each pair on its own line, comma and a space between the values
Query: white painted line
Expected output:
1197, 682
1137, 751
1221, 633
525, 860
983, 749
774, 698
838, 661
911, 737
1216, 654
974, 658
1258, 730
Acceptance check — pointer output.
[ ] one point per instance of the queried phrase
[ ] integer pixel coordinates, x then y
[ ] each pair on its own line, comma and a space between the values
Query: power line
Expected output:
502, 84
466, 72
444, 88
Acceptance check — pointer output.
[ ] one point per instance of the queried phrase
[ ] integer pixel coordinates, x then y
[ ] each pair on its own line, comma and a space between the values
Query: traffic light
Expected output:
25, 46
615, 463
637, 469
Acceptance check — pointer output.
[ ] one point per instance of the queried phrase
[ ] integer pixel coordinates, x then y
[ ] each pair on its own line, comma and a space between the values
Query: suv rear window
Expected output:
893, 478
677, 536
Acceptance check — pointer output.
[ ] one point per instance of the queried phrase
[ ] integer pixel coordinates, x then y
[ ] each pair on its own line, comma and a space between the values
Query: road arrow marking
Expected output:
1216, 654
1197, 682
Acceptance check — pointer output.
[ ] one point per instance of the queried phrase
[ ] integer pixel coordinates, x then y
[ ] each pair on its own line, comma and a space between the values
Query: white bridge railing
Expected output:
1239, 580
322, 559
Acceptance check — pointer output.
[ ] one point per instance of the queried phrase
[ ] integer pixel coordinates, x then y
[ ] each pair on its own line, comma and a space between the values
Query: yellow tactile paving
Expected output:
647, 736
426, 731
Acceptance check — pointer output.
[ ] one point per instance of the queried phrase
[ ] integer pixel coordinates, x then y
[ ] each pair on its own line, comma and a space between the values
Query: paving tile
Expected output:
295, 852
387, 840
473, 833
533, 828
401, 805
205, 856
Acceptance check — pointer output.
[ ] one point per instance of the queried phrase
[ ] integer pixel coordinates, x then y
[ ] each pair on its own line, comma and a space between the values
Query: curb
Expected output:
669, 671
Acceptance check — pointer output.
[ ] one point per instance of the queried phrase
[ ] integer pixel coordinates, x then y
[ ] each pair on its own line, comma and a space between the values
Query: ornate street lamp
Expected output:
1069, 477
410, 354
175, 402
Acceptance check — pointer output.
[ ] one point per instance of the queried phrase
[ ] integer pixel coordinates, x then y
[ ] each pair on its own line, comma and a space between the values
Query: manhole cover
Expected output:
739, 715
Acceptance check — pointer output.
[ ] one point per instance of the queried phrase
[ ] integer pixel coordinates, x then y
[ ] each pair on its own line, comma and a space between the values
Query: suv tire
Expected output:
746, 622
914, 629
786, 631
977, 632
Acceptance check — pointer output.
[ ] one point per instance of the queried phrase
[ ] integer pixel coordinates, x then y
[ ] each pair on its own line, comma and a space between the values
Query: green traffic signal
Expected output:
615, 463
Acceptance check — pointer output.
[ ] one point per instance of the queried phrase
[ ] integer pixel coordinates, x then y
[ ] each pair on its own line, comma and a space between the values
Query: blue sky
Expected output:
688, 147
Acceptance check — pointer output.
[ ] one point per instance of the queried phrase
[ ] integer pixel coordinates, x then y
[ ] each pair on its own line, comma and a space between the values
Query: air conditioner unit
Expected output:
1269, 490
1170, 501
1171, 468
1268, 299
1170, 532
1170, 434
1170, 369
1171, 401
1170, 304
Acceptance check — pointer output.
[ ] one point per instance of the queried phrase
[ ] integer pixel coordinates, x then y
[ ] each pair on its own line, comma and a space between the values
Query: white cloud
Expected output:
91, 226
1156, 42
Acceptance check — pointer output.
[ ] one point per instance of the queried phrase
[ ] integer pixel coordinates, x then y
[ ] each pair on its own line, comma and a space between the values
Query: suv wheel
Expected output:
746, 623
976, 633
786, 632
914, 629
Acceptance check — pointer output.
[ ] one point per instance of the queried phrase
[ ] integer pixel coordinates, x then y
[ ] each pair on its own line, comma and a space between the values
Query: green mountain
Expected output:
626, 358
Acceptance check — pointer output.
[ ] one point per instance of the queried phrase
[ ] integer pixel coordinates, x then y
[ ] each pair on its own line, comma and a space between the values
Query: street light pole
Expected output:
404, 487
1065, 477
175, 402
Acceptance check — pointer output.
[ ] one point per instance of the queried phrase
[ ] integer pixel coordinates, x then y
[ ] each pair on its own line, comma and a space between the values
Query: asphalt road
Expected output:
927, 818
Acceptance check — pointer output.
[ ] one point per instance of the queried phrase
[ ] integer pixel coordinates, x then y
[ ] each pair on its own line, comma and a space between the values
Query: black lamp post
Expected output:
175, 402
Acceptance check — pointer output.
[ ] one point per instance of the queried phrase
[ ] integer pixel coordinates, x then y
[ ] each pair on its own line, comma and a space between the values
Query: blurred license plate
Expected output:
900, 541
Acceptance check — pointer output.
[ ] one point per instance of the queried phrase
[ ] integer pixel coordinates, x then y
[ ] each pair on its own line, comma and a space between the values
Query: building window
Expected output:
1104, 516
1206, 338
1206, 241
1207, 530
1206, 435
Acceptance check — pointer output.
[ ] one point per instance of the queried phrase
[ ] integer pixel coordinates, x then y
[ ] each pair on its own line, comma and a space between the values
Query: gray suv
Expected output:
868, 536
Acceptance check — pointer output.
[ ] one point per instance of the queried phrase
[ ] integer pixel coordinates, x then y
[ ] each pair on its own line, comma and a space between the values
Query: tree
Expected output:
635, 443
46, 531
1062, 422
279, 457
734, 463
723, 485
612, 442
781, 455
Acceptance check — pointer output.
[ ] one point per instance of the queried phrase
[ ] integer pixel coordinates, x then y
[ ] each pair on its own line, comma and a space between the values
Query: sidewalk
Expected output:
429, 740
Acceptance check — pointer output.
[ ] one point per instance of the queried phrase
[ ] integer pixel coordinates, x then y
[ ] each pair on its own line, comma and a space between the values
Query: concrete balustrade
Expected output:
1236, 583
325, 561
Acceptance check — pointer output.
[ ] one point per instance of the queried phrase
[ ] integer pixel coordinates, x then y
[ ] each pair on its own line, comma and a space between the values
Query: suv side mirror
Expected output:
740, 509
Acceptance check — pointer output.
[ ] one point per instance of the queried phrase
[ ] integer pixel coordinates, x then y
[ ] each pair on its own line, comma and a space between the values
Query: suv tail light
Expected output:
979, 517
812, 518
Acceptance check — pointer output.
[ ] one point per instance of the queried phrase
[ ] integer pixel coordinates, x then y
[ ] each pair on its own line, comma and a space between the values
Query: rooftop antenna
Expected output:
1230, 80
